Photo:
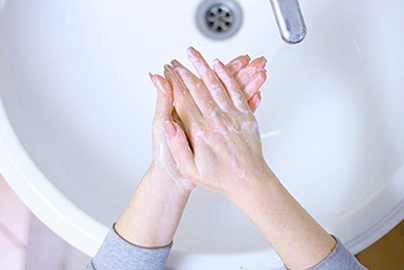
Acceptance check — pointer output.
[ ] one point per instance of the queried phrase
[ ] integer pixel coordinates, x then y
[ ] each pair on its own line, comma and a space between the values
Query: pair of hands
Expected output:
211, 138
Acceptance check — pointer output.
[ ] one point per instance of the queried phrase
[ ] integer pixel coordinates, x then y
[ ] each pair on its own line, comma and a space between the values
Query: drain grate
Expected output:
219, 19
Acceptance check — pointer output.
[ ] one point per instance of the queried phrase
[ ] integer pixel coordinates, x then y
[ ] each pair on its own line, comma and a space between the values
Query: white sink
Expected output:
76, 109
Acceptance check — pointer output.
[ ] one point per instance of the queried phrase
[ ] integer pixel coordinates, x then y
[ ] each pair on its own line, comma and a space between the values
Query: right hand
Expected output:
220, 125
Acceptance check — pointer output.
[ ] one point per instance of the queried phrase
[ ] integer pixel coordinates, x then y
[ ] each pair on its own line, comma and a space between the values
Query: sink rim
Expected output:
86, 233
79, 229
29, 183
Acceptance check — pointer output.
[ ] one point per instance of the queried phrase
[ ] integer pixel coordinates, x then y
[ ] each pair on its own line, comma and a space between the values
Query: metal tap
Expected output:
290, 20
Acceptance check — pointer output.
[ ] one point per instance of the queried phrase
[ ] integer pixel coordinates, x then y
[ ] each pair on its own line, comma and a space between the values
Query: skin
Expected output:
219, 149
154, 211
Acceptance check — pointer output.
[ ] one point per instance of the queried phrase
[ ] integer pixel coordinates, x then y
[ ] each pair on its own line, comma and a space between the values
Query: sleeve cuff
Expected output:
117, 253
340, 258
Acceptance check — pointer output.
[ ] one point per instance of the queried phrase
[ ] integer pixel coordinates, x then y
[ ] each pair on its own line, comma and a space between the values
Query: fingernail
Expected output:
264, 59
169, 128
251, 71
159, 85
193, 54
217, 64
239, 65
153, 79
167, 68
256, 76
175, 63
249, 58
258, 101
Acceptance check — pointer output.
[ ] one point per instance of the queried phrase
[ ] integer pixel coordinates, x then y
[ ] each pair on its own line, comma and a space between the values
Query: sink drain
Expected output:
219, 19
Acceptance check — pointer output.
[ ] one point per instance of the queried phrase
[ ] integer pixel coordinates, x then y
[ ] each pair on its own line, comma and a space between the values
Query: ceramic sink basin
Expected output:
76, 110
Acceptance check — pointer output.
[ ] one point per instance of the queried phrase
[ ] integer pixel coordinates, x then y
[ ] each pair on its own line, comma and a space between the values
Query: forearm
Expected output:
153, 213
297, 238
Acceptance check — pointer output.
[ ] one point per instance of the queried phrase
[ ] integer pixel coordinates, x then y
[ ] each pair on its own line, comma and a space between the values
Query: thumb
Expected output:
180, 149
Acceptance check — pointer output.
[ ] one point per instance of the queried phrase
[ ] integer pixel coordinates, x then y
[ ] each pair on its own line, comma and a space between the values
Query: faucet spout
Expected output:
290, 20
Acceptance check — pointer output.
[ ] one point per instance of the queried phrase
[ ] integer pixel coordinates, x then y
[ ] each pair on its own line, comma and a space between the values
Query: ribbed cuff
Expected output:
340, 258
116, 253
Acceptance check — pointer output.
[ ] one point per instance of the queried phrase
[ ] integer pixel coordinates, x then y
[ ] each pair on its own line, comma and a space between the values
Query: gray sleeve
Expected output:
340, 258
117, 254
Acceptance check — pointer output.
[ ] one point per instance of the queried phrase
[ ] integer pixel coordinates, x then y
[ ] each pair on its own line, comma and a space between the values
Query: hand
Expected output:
220, 126
163, 164
226, 158
251, 75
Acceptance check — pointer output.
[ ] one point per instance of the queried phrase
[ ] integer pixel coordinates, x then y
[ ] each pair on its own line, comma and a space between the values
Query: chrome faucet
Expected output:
290, 20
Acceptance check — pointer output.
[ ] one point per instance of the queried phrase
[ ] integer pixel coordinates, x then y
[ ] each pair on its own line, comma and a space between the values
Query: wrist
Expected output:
153, 213
297, 238
162, 181
260, 181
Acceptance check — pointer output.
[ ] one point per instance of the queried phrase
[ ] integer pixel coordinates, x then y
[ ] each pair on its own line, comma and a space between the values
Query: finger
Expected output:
174, 114
197, 88
184, 103
180, 149
233, 88
255, 101
164, 110
164, 106
238, 63
208, 76
255, 84
245, 75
